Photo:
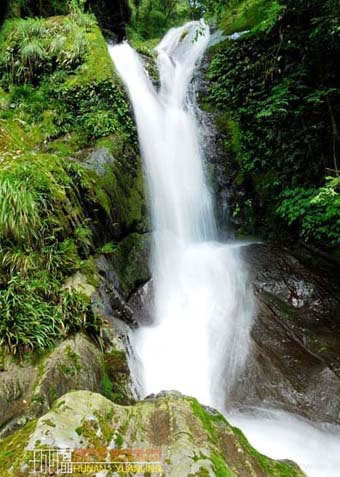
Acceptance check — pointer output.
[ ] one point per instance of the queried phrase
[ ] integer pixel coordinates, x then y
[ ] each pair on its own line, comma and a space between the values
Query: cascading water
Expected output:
199, 339
202, 312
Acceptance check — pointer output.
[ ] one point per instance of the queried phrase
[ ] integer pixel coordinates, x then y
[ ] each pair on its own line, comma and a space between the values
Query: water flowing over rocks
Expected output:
294, 362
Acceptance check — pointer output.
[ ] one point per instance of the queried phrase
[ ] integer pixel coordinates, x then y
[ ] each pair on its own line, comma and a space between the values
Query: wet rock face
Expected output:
219, 168
99, 160
16, 384
294, 362
29, 387
295, 358
107, 300
142, 301
189, 438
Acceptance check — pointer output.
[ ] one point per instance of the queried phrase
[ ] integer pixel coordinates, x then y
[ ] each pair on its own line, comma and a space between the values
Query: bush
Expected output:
35, 314
33, 47
315, 211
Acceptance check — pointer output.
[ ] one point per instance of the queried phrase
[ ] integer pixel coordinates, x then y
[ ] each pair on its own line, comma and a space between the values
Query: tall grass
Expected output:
20, 220
34, 314
33, 47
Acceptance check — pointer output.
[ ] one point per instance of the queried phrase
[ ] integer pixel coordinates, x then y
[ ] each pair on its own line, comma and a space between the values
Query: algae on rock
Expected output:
192, 439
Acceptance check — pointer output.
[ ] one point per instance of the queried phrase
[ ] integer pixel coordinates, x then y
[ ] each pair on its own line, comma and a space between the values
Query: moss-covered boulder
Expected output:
191, 440
30, 386
131, 262
16, 383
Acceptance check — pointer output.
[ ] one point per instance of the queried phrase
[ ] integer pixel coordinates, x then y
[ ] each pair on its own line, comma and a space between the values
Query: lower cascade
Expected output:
199, 338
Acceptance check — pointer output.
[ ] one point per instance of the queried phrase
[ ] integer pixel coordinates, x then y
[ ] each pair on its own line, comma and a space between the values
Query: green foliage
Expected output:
94, 110
107, 387
19, 211
240, 15
108, 248
269, 17
59, 95
33, 47
34, 314
152, 18
287, 108
315, 211
43, 222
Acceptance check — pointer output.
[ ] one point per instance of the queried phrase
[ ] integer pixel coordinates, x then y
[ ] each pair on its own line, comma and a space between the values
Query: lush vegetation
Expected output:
279, 88
58, 96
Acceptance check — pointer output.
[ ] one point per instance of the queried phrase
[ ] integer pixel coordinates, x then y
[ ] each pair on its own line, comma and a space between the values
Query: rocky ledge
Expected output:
191, 440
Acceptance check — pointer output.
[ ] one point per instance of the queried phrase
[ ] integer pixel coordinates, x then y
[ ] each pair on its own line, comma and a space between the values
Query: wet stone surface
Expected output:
295, 358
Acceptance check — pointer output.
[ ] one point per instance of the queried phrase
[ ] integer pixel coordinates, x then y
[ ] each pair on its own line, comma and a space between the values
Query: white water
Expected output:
199, 339
280, 435
202, 306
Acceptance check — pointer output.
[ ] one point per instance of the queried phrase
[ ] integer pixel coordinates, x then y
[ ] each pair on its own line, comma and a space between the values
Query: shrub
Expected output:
316, 211
35, 314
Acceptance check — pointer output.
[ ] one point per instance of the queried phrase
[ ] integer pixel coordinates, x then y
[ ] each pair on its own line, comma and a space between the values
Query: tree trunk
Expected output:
336, 136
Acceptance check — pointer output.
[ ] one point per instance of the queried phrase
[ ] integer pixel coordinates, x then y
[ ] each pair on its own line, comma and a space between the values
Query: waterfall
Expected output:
199, 338
198, 341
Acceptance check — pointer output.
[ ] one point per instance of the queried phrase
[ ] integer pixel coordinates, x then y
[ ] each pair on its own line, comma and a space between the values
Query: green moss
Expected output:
234, 131
119, 440
49, 423
106, 386
269, 466
58, 212
213, 422
106, 426
97, 65
130, 260
52, 394
209, 421
73, 358
70, 366
115, 380
12, 450
116, 362
89, 429
220, 467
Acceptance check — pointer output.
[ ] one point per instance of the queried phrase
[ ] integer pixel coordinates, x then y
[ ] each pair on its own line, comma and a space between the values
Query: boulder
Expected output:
29, 387
294, 363
181, 437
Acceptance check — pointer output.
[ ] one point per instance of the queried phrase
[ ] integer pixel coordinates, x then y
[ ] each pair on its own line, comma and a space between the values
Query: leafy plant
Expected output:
107, 248
33, 47
20, 220
35, 314
315, 211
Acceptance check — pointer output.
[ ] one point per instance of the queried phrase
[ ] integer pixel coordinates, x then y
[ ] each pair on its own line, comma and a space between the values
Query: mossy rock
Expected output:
130, 261
191, 440
29, 386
